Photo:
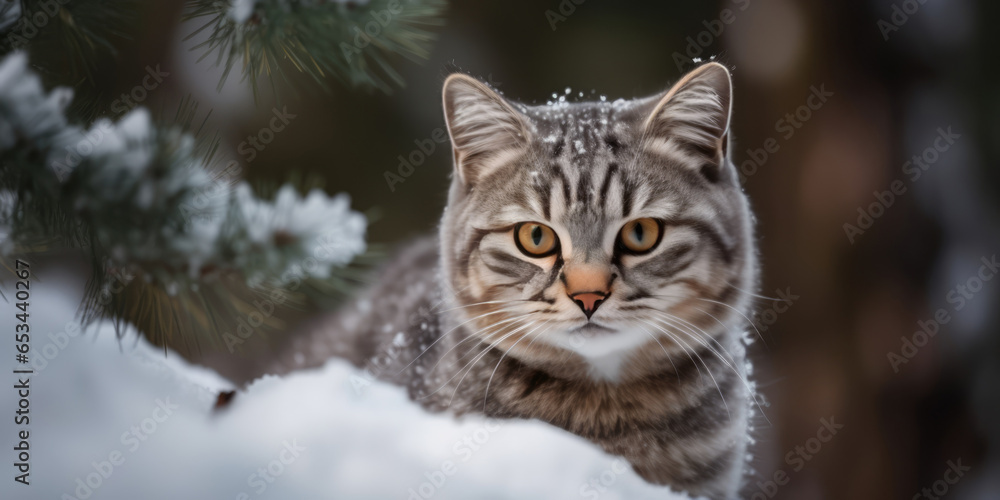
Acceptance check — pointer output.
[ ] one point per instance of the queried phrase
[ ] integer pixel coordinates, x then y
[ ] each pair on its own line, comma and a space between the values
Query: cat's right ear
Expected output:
482, 126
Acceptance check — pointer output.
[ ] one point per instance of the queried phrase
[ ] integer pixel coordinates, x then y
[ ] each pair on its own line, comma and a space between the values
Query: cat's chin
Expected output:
593, 329
605, 349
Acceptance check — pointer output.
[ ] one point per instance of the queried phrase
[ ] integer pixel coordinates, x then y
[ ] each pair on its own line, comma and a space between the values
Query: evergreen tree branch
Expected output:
66, 39
142, 202
352, 41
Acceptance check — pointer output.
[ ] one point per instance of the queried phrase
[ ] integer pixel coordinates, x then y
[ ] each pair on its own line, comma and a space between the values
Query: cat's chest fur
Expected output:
597, 409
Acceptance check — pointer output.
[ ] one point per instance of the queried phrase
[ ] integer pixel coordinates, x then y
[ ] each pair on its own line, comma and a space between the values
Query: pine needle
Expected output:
318, 38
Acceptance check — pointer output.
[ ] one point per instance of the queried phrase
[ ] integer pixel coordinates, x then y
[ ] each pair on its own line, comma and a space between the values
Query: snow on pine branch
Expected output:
139, 197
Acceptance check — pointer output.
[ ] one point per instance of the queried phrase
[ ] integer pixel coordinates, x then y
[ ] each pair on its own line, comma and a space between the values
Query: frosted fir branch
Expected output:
350, 40
132, 194
67, 39
294, 236
134, 189
27, 113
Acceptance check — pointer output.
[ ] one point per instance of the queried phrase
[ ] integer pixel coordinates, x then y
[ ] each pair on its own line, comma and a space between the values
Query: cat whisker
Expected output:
538, 335
475, 358
443, 384
698, 338
700, 330
486, 395
476, 334
759, 335
483, 354
449, 294
672, 321
717, 320
751, 390
753, 294
670, 359
488, 338
443, 335
707, 368
680, 343
719, 344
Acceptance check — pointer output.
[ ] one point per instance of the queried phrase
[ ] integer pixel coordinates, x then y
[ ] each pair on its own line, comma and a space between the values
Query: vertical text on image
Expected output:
22, 374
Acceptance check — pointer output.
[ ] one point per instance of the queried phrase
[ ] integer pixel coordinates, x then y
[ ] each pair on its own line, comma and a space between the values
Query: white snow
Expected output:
27, 112
92, 398
240, 10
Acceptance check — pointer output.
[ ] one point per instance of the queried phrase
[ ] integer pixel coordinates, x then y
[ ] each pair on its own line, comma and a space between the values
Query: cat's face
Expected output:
599, 228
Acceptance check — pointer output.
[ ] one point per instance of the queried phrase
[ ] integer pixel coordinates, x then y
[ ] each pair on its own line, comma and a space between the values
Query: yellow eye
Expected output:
640, 236
535, 240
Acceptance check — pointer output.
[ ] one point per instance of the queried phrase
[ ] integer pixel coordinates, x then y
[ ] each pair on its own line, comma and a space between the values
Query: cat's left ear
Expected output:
482, 126
694, 114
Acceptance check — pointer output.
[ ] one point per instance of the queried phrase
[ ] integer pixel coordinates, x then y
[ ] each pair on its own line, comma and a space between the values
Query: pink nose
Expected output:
589, 301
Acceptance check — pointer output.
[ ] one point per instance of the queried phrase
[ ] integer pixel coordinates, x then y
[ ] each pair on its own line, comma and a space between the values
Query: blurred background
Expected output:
866, 132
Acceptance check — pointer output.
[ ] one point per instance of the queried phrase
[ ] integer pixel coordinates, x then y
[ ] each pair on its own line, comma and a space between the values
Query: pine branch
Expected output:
352, 41
142, 201
66, 40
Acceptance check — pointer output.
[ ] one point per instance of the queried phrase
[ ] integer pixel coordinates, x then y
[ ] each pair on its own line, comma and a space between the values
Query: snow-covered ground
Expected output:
114, 420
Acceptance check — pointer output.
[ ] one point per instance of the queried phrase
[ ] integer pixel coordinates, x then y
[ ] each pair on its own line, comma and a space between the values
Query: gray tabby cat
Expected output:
590, 272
